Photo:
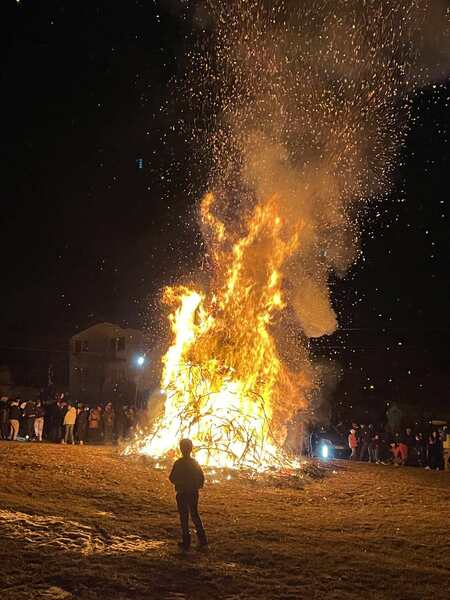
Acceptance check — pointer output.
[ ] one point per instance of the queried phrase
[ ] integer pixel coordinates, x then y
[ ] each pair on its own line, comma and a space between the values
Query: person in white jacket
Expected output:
69, 423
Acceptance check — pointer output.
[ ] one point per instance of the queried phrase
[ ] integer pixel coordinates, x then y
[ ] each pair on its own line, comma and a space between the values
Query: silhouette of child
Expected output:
187, 477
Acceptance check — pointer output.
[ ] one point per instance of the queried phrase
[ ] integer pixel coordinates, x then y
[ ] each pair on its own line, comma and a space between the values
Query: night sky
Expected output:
88, 90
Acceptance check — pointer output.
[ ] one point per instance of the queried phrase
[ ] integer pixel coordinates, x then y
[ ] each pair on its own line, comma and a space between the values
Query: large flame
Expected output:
224, 383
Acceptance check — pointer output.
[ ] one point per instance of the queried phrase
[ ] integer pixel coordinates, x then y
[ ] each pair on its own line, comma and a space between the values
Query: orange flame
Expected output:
226, 387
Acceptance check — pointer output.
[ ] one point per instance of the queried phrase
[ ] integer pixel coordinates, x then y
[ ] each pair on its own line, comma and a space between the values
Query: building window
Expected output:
83, 376
81, 346
117, 344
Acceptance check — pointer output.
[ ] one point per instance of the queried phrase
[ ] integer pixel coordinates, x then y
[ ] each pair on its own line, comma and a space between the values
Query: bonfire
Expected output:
224, 383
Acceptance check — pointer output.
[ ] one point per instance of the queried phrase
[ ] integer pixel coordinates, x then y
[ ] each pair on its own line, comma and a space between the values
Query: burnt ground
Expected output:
83, 522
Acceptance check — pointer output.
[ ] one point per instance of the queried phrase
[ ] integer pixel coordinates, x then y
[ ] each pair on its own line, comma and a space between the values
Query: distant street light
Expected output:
140, 360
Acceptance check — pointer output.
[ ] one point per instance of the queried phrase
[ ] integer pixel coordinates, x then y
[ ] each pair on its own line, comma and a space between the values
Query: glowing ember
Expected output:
225, 386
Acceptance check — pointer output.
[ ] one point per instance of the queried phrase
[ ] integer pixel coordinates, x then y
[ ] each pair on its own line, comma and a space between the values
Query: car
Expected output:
328, 443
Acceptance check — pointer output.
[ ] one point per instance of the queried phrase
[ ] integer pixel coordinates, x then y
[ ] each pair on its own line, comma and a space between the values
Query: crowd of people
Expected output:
66, 422
407, 447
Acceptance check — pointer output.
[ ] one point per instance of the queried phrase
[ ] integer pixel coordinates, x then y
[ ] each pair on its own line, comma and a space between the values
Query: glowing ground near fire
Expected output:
83, 522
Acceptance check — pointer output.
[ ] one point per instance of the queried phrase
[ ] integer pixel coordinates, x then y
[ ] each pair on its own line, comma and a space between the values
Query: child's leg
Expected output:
183, 509
193, 509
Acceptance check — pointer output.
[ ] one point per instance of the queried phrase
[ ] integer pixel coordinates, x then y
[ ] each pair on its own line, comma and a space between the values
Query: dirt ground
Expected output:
84, 522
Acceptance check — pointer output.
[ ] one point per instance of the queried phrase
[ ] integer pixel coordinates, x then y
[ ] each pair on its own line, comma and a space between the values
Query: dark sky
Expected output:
87, 236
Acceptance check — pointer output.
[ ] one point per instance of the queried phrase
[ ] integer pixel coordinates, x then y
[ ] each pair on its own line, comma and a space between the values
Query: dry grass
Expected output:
82, 522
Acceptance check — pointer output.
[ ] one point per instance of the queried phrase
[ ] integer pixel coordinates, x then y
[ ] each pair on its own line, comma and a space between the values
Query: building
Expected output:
104, 365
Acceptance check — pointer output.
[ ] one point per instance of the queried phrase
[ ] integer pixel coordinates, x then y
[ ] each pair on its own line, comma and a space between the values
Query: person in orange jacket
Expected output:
353, 444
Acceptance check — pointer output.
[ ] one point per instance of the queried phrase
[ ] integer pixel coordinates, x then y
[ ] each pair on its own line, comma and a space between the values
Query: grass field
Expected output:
83, 522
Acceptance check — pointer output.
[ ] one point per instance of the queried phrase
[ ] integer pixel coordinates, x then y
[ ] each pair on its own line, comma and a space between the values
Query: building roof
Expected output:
110, 328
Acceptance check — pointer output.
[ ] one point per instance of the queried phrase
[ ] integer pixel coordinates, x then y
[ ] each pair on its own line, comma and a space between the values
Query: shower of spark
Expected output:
308, 104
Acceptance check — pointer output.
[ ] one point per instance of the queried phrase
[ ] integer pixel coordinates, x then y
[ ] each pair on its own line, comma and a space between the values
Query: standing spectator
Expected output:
81, 424
121, 423
50, 420
55, 418
14, 419
187, 477
410, 442
399, 451
4, 418
29, 416
357, 429
95, 418
69, 423
58, 419
374, 445
22, 422
108, 423
364, 441
421, 450
353, 444
355, 426
444, 433
435, 451
38, 420
445, 448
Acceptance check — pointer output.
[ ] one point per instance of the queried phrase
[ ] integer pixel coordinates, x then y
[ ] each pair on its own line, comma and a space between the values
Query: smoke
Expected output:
311, 102
328, 375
